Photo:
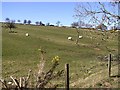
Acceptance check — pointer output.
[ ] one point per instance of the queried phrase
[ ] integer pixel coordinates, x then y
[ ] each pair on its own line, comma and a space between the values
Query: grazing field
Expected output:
20, 53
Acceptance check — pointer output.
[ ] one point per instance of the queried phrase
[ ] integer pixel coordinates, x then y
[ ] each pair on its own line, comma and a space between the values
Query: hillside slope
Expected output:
20, 53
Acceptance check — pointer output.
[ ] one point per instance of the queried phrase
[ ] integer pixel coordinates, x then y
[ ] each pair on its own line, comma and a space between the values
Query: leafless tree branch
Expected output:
98, 14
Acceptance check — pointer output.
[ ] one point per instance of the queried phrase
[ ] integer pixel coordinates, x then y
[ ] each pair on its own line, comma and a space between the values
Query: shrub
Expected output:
42, 78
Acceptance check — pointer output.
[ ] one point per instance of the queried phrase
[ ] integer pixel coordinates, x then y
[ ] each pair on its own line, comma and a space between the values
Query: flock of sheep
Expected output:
70, 38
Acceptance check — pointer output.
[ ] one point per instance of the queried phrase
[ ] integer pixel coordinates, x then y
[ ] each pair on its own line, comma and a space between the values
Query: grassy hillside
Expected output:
20, 53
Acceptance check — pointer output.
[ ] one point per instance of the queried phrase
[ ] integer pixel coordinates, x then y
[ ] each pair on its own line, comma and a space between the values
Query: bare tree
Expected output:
7, 20
75, 24
58, 23
37, 23
18, 21
29, 21
25, 21
10, 24
98, 12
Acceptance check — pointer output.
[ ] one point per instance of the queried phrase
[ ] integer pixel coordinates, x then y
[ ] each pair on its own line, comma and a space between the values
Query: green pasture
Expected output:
20, 53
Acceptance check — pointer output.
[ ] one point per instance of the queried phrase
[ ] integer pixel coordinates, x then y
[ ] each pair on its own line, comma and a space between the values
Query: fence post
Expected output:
67, 76
109, 65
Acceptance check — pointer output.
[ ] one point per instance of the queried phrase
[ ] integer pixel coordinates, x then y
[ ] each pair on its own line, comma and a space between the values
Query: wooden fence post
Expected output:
67, 76
109, 65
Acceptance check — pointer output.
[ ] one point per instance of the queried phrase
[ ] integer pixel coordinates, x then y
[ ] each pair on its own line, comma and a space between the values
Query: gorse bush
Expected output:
41, 78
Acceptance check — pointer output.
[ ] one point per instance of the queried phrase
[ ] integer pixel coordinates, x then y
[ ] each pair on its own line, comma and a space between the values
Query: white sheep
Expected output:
26, 34
69, 38
80, 37
117, 30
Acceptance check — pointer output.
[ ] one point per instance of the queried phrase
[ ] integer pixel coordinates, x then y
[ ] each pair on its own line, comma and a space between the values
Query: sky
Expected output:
47, 12
40, 11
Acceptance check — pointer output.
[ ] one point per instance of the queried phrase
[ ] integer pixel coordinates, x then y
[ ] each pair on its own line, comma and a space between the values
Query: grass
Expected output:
95, 79
20, 53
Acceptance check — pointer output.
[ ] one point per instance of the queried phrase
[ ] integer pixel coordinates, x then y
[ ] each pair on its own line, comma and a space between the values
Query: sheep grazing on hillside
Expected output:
26, 34
69, 38
80, 37
117, 30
